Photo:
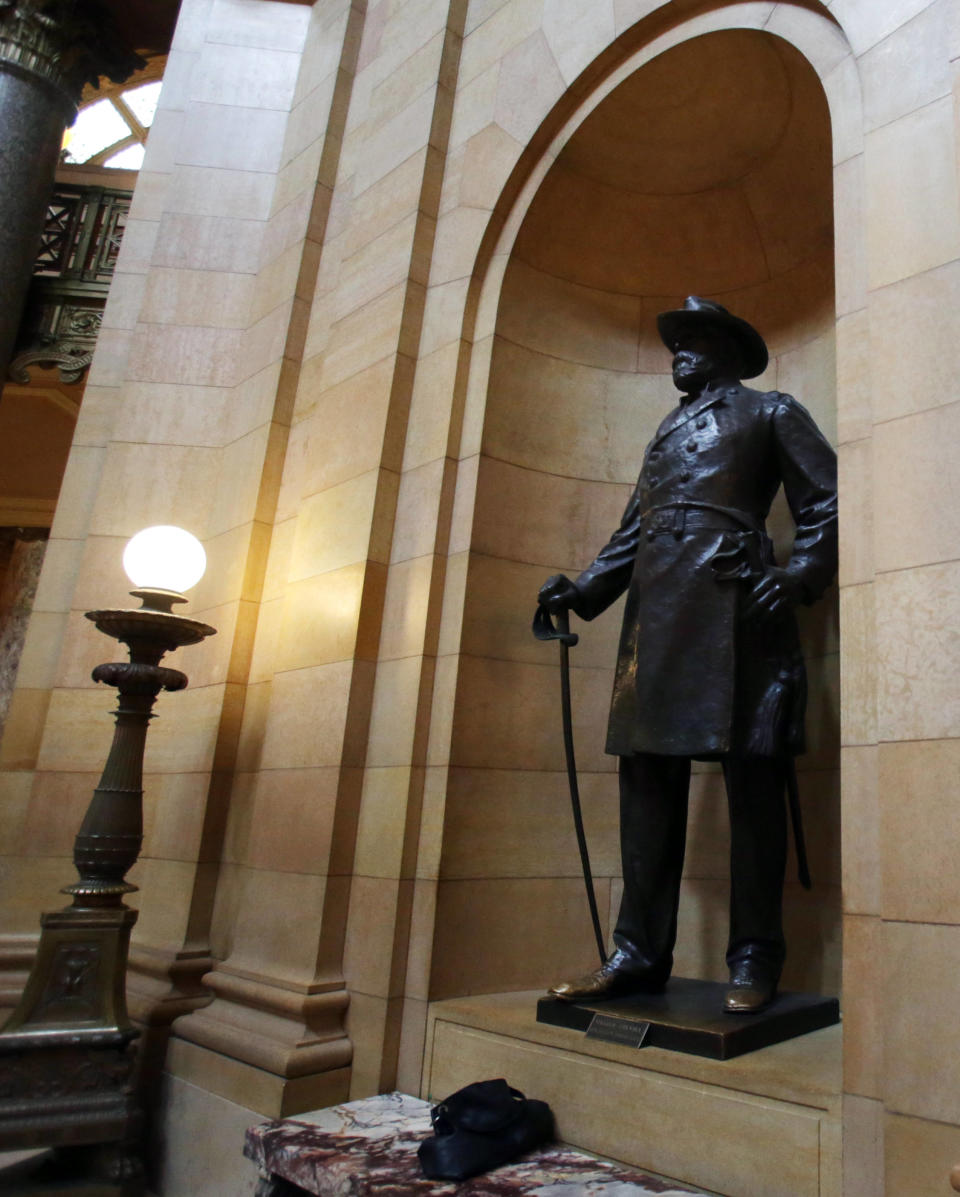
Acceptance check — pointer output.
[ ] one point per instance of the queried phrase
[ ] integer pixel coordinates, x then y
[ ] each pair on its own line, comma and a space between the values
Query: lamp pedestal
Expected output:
67, 1052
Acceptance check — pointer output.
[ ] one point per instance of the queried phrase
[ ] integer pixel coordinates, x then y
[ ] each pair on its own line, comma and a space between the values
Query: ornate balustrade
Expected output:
71, 276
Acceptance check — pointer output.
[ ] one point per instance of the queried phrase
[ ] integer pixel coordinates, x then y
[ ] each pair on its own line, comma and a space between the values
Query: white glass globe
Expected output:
164, 558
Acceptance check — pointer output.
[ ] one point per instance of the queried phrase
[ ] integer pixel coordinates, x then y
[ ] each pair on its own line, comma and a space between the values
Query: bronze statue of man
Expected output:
709, 666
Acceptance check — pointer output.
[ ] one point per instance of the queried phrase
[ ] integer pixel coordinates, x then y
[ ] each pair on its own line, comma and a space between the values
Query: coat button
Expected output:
691, 446
702, 423
653, 481
685, 476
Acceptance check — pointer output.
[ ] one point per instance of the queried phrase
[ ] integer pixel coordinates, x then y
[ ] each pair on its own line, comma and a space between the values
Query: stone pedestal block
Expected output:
766, 1124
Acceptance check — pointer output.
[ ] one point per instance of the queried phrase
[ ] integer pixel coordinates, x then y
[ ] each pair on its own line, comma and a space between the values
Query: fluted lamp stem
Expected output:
111, 833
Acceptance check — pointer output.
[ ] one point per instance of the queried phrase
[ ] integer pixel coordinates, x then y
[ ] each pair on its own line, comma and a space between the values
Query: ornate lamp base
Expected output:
67, 1062
67, 1054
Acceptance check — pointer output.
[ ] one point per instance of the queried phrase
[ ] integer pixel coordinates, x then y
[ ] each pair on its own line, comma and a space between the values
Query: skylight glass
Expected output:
142, 102
97, 126
111, 131
129, 158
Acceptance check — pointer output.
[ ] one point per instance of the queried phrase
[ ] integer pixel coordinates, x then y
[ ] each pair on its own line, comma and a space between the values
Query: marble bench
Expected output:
370, 1147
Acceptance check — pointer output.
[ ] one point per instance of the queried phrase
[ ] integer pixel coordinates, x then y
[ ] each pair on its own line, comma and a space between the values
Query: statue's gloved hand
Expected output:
774, 594
558, 594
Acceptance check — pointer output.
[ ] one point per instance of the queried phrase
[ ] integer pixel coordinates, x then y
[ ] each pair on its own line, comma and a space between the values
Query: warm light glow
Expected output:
164, 558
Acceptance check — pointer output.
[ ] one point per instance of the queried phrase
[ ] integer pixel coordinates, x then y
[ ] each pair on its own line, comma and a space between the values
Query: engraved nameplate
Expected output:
618, 1030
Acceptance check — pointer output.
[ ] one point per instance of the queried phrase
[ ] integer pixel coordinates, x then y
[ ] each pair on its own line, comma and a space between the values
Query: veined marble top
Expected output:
370, 1146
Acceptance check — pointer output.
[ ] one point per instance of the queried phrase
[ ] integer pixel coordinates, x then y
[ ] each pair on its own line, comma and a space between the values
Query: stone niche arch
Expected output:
707, 168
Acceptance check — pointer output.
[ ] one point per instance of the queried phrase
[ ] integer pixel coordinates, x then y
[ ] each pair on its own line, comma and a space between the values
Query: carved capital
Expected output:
67, 42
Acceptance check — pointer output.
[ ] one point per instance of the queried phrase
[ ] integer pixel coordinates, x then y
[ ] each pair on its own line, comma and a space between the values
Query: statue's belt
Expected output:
676, 518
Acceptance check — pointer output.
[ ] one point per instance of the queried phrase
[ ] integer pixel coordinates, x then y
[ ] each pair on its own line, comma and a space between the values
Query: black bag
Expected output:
480, 1127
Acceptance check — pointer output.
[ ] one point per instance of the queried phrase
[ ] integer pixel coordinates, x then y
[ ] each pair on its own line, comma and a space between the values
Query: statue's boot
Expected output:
752, 988
611, 980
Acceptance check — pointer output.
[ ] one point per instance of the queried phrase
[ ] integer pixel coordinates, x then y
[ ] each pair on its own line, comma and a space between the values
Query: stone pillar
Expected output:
48, 50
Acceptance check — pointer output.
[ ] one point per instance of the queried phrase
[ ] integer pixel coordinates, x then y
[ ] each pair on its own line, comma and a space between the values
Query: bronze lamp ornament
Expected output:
66, 1053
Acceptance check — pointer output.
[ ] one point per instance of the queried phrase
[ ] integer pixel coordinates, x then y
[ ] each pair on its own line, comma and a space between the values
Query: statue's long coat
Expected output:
694, 677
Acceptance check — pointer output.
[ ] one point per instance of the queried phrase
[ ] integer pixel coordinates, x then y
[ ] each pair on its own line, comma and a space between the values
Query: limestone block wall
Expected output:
330, 724
185, 421
352, 322
900, 717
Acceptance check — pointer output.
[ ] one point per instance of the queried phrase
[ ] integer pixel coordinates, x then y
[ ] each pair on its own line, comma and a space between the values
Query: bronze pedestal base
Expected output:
689, 1017
67, 1058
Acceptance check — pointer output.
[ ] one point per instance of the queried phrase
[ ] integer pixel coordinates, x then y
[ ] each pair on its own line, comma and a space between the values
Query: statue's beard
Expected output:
693, 376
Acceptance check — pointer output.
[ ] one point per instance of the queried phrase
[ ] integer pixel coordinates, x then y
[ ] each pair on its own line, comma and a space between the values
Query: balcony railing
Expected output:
82, 234
71, 276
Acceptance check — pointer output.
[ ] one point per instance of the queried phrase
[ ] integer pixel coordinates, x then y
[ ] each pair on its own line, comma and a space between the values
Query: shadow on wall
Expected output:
708, 171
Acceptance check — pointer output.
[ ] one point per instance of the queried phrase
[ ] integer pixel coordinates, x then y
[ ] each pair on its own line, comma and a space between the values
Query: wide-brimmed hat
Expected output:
698, 315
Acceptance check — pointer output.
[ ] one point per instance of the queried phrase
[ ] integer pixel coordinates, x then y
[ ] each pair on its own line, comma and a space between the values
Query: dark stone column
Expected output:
32, 119
48, 50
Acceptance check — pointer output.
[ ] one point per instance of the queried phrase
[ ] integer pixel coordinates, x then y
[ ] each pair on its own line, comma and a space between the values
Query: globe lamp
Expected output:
162, 562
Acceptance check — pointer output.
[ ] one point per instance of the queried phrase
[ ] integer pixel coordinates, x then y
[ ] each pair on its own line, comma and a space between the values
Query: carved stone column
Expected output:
48, 50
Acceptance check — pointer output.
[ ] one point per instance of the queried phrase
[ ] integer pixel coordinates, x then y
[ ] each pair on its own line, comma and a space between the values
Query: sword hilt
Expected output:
544, 629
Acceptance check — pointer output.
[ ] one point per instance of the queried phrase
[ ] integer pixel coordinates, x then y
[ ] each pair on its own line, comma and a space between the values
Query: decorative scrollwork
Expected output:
82, 321
73, 361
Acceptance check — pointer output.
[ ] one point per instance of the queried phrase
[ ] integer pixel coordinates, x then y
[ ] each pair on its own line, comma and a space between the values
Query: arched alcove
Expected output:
709, 171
